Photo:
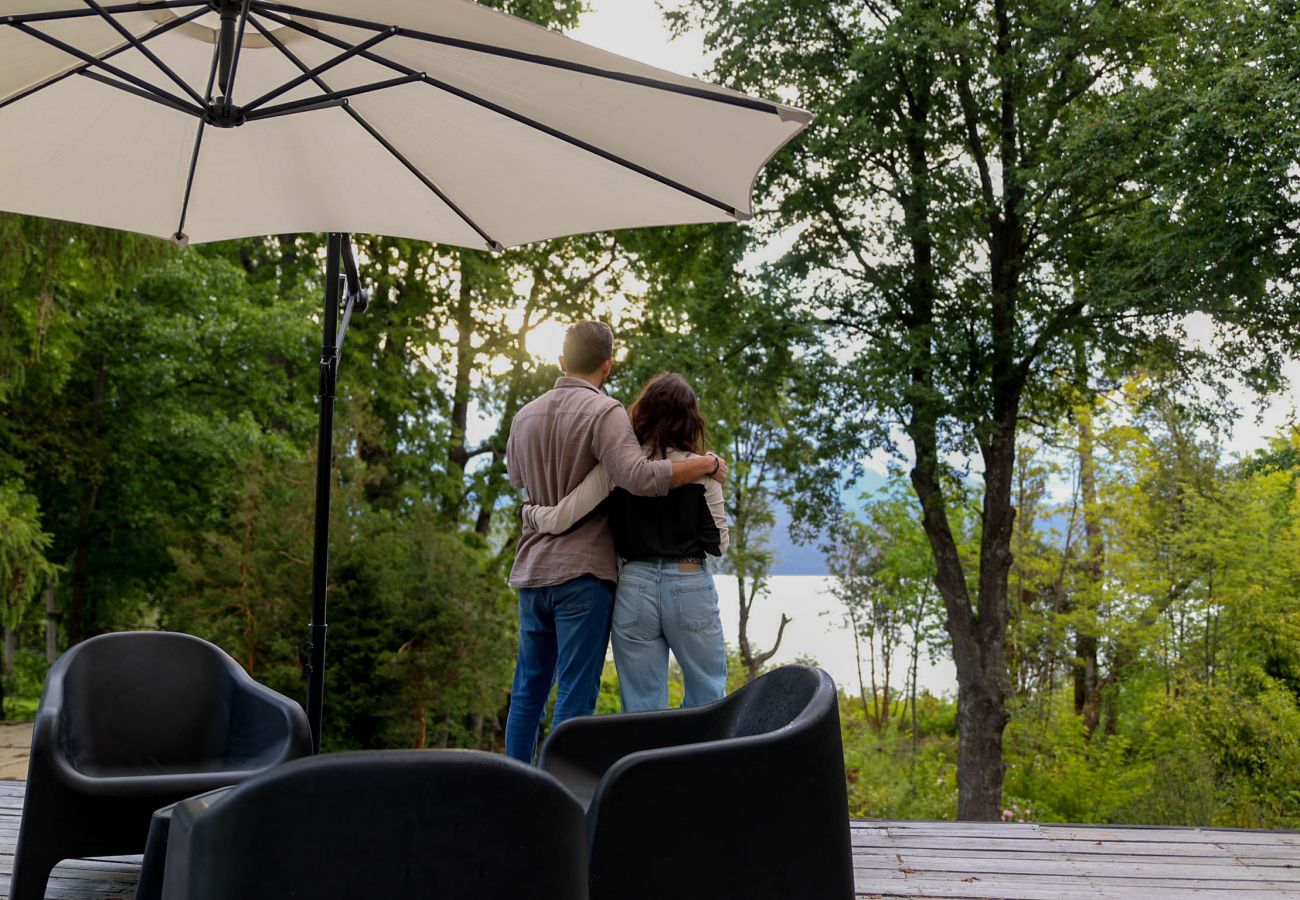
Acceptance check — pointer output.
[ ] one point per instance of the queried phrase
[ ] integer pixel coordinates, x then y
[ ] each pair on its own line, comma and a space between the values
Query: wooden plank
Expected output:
1263, 862
1210, 875
958, 842
1005, 890
1165, 835
1126, 834
1066, 880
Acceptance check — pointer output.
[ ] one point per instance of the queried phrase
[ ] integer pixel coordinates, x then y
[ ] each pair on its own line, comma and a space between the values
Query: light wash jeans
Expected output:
658, 607
563, 630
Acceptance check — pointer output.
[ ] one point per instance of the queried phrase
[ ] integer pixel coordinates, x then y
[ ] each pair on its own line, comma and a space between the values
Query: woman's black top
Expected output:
677, 525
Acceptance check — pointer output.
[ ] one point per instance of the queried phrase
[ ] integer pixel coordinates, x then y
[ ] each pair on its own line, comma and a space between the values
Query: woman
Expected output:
666, 598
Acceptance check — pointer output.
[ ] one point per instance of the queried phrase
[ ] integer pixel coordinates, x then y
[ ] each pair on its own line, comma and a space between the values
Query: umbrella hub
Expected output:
219, 115
221, 112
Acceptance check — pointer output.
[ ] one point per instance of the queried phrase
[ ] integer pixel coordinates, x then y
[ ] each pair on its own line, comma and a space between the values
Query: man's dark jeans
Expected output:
563, 630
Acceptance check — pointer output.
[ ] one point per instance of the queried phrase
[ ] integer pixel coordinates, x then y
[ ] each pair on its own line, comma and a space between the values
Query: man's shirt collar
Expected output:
568, 381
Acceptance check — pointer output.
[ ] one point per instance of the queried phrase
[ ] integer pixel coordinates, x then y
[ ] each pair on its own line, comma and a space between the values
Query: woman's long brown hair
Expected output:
666, 416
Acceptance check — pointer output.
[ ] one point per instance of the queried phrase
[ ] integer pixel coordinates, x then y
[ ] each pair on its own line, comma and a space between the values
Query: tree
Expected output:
990, 185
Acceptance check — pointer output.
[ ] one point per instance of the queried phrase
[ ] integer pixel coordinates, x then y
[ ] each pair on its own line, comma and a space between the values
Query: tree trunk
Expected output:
875, 688
89, 500
51, 627
915, 727
857, 655
752, 659
81, 568
457, 452
1087, 677
981, 719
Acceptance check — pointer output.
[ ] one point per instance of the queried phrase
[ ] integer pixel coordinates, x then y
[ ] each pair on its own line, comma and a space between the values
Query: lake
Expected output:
817, 630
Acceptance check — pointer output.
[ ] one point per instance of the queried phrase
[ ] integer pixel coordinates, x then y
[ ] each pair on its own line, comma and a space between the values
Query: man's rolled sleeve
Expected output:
615, 445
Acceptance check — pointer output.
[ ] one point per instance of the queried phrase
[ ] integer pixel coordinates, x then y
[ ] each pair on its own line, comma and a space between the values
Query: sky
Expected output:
635, 28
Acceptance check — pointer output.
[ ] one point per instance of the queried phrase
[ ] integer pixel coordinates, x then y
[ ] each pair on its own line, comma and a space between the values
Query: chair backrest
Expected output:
140, 702
775, 700
780, 763
423, 823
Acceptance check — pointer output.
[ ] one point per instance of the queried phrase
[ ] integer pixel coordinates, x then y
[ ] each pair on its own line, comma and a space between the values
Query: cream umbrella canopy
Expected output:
440, 120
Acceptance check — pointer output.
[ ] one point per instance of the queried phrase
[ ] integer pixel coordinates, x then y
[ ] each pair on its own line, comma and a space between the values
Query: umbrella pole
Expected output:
329, 358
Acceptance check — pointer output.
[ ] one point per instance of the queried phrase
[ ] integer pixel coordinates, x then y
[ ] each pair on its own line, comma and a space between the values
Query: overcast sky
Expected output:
635, 28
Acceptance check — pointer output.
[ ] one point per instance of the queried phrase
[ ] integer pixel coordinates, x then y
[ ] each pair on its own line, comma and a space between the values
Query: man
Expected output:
566, 581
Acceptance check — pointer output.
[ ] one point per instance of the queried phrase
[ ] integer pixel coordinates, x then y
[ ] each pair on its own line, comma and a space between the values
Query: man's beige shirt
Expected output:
554, 442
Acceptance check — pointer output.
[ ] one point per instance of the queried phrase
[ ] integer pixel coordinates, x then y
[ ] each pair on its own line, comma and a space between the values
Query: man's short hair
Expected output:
588, 346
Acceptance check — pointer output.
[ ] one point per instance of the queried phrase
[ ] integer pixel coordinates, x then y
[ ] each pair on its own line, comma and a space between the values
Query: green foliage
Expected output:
23, 688
889, 778
883, 574
24, 568
1203, 758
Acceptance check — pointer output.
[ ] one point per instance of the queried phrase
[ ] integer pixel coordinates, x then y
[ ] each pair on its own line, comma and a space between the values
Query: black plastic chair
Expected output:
745, 797
129, 722
453, 825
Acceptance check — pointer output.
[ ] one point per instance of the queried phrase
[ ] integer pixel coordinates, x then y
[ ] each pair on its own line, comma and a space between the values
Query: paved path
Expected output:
15, 744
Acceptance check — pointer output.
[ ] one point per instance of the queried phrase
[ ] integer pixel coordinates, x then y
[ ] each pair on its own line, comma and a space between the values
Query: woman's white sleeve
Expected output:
713, 496
576, 504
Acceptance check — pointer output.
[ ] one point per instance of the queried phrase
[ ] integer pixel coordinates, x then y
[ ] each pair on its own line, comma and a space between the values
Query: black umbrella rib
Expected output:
144, 51
76, 70
337, 98
492, 243
95, 62
529, 122
135, 91
318, 70
120, 8
179, 236
522, 56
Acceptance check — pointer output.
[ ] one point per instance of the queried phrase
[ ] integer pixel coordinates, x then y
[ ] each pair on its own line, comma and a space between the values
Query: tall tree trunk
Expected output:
1087, 676
51, 627
916, 649
857, 656
748, 583
89, 500
752, 659
875, 688
457, 452
978, 637
81, 567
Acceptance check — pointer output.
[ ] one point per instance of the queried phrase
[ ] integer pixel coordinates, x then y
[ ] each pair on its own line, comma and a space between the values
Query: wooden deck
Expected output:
930, 859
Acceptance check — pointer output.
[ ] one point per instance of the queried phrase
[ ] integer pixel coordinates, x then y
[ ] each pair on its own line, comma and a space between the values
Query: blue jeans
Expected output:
659, 607
564, 630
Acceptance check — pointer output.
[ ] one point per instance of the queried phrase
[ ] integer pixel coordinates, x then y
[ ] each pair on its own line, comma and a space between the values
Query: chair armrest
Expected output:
266, 728
600, 741
579, 751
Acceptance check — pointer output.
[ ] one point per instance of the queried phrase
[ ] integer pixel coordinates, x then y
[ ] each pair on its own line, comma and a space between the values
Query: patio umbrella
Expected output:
440, 120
